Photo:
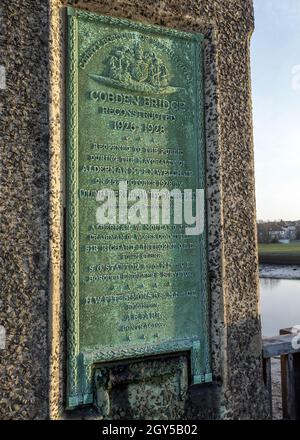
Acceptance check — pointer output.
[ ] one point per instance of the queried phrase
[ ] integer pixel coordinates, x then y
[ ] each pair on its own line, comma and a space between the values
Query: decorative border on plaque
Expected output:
203, 351
72, 216
80, 364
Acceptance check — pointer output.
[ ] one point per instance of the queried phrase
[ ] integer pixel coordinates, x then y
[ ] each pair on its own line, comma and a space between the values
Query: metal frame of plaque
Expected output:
97, 325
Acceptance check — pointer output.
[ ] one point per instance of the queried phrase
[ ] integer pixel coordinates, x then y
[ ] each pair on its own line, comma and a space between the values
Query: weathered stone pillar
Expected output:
32, 254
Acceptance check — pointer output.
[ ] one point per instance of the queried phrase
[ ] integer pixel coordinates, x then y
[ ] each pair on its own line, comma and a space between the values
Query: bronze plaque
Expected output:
137, 283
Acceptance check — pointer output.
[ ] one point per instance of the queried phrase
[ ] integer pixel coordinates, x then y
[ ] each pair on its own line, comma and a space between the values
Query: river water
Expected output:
279, 298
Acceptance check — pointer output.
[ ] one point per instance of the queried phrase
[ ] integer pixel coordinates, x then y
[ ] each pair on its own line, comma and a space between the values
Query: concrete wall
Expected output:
32, 308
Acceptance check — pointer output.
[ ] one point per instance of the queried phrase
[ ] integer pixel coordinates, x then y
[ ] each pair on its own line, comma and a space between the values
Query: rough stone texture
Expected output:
32, 204
24, 208
129, 388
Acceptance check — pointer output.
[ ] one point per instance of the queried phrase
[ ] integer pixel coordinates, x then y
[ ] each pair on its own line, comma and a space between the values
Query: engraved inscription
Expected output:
135, 117
137, 106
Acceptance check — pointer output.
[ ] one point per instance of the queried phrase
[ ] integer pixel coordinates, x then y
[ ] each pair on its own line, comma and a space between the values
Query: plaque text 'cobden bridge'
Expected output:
134, 115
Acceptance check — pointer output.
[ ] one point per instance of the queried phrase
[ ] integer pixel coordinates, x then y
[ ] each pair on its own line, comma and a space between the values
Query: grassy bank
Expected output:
279, 253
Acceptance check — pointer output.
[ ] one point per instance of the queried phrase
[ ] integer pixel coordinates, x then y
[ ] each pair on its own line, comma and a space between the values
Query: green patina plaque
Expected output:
135, 114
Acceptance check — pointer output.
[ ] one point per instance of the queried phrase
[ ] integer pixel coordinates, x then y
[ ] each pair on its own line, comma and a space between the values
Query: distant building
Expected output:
284, 234
291, 232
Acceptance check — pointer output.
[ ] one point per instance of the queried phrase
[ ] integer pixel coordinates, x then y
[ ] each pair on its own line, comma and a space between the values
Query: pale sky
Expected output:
276, 106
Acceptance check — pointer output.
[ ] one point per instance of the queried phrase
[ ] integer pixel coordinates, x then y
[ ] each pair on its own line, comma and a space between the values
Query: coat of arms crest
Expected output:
136, 69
